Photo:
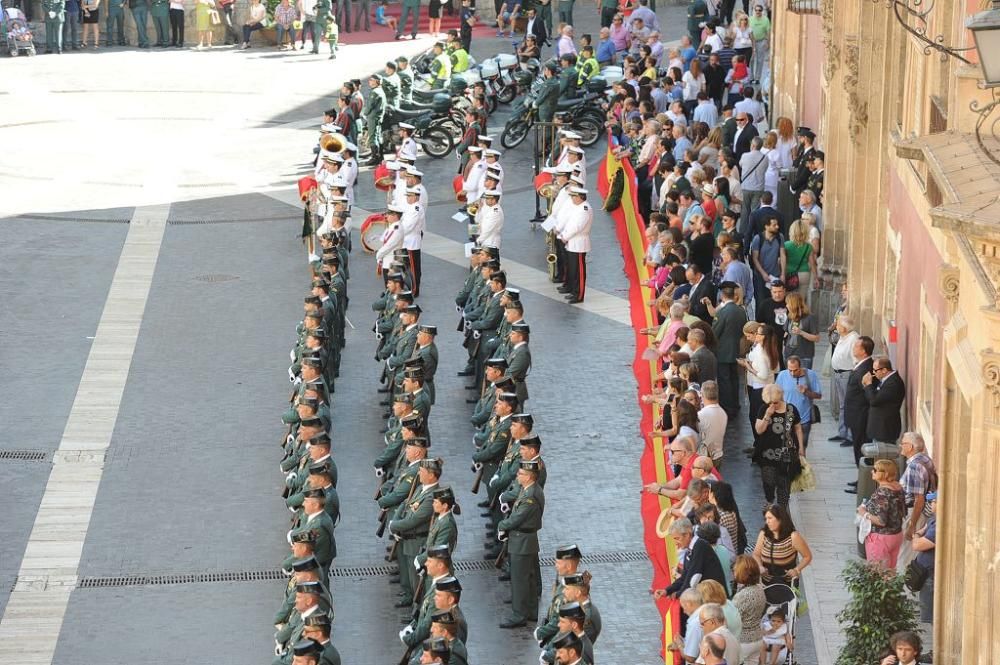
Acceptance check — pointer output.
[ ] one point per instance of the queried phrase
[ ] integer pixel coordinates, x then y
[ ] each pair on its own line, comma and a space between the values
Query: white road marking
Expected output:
33, 617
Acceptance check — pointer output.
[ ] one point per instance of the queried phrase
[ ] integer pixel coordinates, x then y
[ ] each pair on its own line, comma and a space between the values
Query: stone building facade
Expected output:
912, 221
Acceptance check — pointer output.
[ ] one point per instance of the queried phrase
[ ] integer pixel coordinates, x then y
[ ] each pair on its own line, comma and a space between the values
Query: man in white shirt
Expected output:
576, 236
842, 364
392, 238
713, 622
407, 147
412, 223
489, 218
750, 106
712, 422
350, 170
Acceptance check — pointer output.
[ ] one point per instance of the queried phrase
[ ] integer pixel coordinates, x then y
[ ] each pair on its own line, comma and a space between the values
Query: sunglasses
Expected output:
741, 119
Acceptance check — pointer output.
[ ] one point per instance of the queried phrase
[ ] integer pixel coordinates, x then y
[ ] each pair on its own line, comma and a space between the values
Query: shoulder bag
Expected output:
792, 278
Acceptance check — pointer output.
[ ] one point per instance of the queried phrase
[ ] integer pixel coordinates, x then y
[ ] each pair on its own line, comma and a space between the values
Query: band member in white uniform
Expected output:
492, 158
474, 172
561, 181
392, 239
350, 169
412, 224
407, 147
489, 217
567, 139
576, 235
414, 179
575, 158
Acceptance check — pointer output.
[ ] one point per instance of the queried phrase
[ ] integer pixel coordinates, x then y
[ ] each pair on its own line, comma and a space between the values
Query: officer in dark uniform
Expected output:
815, 181
803, 156
520, 529
374, 110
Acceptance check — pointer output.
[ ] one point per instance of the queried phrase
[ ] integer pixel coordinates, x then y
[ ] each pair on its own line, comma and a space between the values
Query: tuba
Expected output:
383, 177
333, 142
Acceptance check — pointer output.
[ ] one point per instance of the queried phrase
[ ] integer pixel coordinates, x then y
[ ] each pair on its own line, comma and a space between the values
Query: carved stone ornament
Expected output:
829, 43
991, 378
858, 118
948, 282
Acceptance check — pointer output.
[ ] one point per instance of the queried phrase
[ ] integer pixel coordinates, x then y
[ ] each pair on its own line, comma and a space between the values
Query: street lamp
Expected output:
985, 27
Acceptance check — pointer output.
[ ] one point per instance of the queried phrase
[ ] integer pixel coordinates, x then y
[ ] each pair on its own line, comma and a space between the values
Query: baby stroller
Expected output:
16, 33
782, 596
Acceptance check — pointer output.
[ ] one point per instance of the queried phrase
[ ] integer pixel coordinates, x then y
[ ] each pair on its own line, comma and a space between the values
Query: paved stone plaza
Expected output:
150, 280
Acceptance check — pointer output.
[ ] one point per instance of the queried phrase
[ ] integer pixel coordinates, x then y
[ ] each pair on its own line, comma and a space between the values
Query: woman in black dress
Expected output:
434, 12
779, 444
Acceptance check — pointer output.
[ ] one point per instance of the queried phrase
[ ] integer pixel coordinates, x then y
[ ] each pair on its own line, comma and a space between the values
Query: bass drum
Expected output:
372, 230
383, 177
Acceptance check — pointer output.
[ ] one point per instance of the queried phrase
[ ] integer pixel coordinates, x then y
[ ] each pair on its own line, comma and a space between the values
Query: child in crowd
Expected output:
776, 637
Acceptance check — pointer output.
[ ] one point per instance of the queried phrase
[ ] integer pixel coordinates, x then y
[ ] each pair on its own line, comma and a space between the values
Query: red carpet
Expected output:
652, 463
381, 33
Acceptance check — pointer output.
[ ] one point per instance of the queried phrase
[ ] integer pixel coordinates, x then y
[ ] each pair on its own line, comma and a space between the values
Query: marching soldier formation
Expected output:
416, 506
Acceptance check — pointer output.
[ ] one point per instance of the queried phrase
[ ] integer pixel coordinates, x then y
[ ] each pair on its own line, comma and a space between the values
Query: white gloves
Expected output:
504, 507
379, 472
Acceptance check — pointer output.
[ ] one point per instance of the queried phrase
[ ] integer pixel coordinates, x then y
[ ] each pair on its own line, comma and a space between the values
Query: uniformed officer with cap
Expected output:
443, 531
304, 652
304, 570
575, 235
520, 530
568, 649
412, 224
405, 77
493, 445
519, 360
567, 563
375, 109
392, 238
427, 351
407, 146
411, 524
571, 620
436, 567
317, 628
317, 520
489, 220
307, 603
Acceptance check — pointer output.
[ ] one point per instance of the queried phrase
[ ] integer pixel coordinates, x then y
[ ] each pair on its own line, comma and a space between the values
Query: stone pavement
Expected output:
186, 529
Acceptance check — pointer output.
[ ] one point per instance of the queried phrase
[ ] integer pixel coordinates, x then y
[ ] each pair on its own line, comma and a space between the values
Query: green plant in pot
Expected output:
879, 607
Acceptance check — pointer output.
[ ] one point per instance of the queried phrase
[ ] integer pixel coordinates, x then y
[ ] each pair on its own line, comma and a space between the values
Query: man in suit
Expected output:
702, 294
745, 132
803, 158
885, 392
536, 27
701, 356
762, 215
855, 401
728, 328
699, 559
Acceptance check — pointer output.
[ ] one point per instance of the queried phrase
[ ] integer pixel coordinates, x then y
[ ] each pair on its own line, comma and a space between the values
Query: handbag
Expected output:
214, 17
792, 278
815, 417
915, 576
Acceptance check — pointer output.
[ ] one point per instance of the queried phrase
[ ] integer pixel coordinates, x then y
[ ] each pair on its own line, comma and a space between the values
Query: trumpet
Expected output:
333, 142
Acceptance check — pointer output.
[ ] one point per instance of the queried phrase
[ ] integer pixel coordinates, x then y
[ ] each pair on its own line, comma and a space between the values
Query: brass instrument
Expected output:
551, 259
472, 209
333, 142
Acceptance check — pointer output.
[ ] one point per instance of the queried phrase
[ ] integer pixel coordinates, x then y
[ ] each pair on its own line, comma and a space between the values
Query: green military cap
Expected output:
305, 537
430, 330
567, 641
308, 563
568, 552
412, 309
433, 465
510, 398
437, 646
530, 465
312, 421
515, 304
447, 495
449, 584
313, 300
525, 419
532, 441
314, 315
492, 252
321, 439
309, 587
414, 363
331, 261
500, 363
512, 293
420, 441
572, 611
405, 296
520, 328
444, 617
505, 383
312, 361
416, 373
492, 264
310, 402
318, 333
576, 579
439, 552
317, 620
305, 648
403, 398
402, 58
396, 277
412, 420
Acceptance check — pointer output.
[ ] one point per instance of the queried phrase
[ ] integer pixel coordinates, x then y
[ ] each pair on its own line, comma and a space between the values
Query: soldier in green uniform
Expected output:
697, 14
548, 96
375, 110
316, 519
395, 493
402, 411
519, 360
302, 546
577, 590
436, 567
404, 343
445, 626
114, 23
307, 603
571, 620
161, 21
568, 76
317, 629
140, 14
304, 570
520, 530
506, 473
391, 84
427, 351
486, 319
443, 529
567, 563
568, 649
410, 526
409, 7
486, 459
55, 16
303, 652
445, 594
405, 78
320, 478
319, 24
513, 313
